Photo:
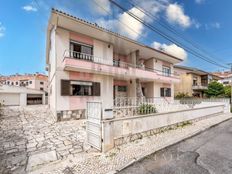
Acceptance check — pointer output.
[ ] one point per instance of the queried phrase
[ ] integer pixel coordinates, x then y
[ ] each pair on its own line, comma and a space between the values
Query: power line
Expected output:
165, 36
172, 30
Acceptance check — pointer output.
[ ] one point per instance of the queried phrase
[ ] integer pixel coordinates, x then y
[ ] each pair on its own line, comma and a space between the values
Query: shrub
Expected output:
181, 95
147, 109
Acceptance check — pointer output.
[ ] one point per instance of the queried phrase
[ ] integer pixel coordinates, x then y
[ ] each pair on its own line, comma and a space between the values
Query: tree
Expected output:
215, 89
227, 90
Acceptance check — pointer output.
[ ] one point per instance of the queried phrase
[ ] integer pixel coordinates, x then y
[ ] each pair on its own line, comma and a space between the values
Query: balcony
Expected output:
76, 61
199, 87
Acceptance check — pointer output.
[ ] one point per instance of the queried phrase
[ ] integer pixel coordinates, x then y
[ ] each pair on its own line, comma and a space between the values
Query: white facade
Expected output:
19, 96
111, 65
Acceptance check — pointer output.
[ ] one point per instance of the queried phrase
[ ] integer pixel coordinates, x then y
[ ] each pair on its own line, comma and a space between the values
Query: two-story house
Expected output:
193, 81
86, 62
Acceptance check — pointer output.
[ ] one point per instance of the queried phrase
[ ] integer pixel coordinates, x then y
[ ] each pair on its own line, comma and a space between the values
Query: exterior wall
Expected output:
52, 73
59, 44
186, 82
131, 127
103, 52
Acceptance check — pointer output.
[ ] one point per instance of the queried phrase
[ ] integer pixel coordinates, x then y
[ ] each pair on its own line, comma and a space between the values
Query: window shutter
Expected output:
162, 92
96, 89
65, 87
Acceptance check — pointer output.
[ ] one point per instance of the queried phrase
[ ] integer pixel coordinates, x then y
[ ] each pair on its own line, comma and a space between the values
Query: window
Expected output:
226, 82
41, 89
195, 81
165, 92
81, 51
12, 83
166, 71
30, 82
8, 83
26, 83
17, 83
79, 88
41, 83
122, 88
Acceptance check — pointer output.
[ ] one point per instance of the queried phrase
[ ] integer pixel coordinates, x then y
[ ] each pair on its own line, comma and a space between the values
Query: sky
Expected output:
202, 26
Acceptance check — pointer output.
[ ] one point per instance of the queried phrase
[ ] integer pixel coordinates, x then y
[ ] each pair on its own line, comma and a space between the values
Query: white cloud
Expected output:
175, 14
171, 49
2, 30
105, 7
199, 1
128, 25
29, 8
214, 25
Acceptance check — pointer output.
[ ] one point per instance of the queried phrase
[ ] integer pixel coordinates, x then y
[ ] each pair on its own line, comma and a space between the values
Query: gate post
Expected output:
107, 136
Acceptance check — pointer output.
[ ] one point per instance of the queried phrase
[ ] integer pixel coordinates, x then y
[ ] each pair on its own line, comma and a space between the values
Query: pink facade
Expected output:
91, 67
81, 38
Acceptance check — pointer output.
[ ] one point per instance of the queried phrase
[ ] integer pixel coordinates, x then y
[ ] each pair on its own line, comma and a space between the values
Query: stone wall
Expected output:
71, 115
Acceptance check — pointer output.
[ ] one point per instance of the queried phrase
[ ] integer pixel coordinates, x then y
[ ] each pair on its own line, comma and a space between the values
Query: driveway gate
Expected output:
93, 125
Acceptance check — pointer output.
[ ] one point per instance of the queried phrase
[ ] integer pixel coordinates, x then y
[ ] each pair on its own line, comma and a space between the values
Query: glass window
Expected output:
30, 82
166, 71
41, 89
41, 83
81, 51
81, 88
165, 92
122, 88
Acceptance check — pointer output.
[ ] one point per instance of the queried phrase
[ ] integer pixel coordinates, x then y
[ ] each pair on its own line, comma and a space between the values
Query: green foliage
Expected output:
146, 109
227, 90
182, 95
215, 89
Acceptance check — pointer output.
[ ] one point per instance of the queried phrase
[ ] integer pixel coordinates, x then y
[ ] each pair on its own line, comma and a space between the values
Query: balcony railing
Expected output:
200, 86
116, 63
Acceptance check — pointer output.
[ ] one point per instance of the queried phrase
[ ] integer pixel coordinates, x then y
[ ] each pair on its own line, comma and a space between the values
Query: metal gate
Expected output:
93, 126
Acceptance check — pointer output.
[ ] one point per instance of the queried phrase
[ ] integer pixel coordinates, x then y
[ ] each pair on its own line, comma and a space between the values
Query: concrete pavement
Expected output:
208, 152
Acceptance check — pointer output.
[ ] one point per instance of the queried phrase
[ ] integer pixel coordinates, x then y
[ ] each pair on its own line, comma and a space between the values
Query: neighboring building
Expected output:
226, 77
88, 63
20, 96
193, 81
33, 81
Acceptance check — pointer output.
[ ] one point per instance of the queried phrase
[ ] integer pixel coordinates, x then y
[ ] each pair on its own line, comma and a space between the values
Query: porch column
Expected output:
132, 88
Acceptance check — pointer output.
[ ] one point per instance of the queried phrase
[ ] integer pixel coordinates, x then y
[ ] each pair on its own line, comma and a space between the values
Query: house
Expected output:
193, 81
86, 62
33, 81
11, 95
226, 77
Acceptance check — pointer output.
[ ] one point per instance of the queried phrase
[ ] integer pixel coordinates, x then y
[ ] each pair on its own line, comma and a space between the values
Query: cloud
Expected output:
214, 25
2, 30
199, 1
171, 49
129, 26
29, 8
175, 14
105, 4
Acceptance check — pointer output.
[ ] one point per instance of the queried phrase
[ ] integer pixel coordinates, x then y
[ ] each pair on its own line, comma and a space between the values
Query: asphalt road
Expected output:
208, 152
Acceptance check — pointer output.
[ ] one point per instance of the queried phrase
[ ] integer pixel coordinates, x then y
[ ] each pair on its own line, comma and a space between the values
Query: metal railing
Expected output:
127, 107
116, 63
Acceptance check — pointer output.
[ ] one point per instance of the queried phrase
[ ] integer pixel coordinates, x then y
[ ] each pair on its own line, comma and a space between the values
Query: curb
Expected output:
166, 146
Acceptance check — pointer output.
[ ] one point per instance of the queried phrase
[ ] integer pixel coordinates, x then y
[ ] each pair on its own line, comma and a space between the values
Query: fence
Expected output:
125, 107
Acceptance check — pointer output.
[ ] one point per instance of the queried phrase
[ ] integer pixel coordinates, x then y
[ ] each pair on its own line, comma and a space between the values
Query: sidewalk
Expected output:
124, 155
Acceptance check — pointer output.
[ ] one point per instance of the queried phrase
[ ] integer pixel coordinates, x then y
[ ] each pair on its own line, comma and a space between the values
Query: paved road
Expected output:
207, 153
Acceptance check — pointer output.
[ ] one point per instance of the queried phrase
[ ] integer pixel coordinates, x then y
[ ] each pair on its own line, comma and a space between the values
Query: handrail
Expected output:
121, 64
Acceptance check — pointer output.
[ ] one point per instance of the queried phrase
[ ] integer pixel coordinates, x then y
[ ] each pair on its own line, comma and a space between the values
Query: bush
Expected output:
147, 109
182, 95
